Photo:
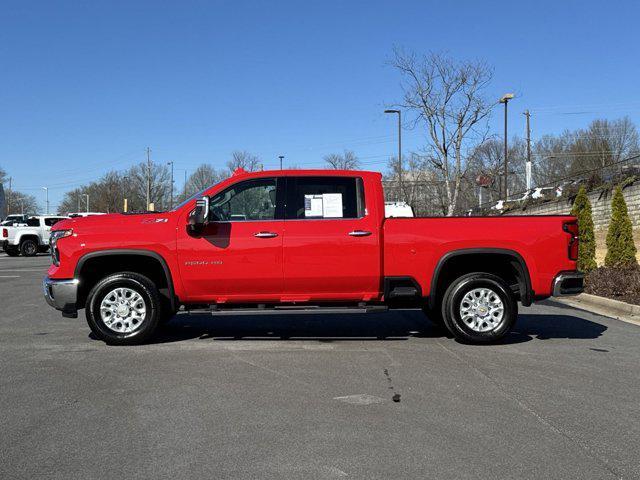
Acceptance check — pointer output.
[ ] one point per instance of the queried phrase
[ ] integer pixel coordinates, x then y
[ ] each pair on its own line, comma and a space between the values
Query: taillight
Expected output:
572, 229
5, 233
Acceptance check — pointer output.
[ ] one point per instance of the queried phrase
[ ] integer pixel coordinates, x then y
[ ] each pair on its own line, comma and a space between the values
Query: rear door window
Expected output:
33, 222
325, 198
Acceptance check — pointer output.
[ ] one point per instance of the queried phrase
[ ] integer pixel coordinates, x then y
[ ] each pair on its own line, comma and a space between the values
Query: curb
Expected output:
625, 312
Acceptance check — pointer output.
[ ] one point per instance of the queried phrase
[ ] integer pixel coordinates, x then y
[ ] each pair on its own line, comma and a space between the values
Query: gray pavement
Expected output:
311, 396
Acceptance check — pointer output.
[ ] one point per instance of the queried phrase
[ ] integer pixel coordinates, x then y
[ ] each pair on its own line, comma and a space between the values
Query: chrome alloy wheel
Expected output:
482, 310
123, 310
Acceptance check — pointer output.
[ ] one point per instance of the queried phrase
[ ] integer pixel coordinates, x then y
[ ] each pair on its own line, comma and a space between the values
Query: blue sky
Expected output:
87, 86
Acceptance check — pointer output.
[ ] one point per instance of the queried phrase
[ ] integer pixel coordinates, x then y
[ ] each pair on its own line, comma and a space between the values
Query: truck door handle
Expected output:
265, 234
359, 233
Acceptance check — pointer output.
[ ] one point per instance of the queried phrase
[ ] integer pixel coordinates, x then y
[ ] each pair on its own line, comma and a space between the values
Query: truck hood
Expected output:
112, 222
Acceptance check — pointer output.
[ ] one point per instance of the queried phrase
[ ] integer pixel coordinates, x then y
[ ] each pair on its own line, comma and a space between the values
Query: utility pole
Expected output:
46, 190
281, 157
171, 197
399, 150
148, 177
528, 166
505, 99
9, 198
87, 195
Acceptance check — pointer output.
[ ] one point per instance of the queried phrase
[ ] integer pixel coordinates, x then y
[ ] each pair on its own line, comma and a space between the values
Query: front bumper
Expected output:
62, 295
568, 283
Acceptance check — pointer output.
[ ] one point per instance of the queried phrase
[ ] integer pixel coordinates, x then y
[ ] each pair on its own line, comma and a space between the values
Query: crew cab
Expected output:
29, 238
314, 240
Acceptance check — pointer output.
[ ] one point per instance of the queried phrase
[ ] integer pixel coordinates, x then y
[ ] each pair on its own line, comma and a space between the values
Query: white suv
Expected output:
28, 239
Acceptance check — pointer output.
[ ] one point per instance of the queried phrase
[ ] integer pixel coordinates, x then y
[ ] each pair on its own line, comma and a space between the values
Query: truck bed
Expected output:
414, 246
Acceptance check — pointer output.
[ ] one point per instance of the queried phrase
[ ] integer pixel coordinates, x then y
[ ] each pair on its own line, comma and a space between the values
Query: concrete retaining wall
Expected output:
600, 204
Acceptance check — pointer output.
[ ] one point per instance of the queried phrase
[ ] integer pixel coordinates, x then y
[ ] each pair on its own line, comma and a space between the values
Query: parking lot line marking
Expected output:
23, 270
9, 276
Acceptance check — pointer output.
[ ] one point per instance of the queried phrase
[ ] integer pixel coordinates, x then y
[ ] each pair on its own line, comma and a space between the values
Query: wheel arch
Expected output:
513, 258
28, 236
116, 256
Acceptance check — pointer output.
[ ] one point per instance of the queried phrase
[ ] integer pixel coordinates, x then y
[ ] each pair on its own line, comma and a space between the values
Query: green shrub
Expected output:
587, 248
621, 251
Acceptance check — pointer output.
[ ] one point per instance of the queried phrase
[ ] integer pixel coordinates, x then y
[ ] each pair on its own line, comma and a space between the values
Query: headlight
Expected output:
53, 242
58, 234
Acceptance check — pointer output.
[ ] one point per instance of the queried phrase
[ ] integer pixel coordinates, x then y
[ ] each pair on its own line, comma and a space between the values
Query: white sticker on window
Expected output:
332, 205
313, 206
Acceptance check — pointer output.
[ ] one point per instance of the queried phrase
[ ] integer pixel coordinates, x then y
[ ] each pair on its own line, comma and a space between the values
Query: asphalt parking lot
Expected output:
304, 396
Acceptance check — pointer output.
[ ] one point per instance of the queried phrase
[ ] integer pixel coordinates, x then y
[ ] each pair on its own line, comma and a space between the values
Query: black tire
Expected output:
132, 282
453, 301
12, 252
29, 247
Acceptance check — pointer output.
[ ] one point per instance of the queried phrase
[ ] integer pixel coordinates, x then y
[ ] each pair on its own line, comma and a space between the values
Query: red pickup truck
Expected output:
286, 241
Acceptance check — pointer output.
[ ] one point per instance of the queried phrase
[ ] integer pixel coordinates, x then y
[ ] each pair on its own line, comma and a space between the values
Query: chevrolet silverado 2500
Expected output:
284, 241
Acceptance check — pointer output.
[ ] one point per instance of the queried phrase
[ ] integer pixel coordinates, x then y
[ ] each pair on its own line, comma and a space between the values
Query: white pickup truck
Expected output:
28, 239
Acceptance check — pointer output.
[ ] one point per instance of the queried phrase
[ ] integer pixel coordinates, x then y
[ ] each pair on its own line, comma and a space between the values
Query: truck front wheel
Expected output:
123, 309
479, 308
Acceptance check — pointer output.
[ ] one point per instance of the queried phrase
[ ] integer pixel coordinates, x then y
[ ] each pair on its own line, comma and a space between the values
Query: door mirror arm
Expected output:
199, 216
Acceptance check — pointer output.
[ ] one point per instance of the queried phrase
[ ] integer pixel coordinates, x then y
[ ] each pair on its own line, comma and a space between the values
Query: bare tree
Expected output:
20, 202
345, 161
204, 176
245, 160
446, 97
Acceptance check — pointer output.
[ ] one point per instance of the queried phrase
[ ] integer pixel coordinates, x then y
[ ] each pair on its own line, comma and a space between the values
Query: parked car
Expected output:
30, 238
306, 240
398, 209
14, 219
84, 214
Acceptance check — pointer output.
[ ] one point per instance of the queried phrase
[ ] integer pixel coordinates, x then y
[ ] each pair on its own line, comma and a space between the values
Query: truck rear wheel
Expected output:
479, 308
124, 309
29, 247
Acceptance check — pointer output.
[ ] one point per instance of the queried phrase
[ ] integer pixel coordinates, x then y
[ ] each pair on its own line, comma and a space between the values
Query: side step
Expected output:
403, 292
284, 310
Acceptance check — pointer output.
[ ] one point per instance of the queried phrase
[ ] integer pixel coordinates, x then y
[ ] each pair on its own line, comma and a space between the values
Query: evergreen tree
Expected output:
621, 251
587, 249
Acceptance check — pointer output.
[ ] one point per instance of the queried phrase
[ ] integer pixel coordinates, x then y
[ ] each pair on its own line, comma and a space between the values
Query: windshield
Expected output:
184, 202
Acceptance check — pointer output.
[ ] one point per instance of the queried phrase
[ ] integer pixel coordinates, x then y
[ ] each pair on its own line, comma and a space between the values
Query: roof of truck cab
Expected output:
241, 173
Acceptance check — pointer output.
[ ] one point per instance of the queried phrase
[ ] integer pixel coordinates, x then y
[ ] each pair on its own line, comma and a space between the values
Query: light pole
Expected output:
46, 190
505, 99
87, 195
125, 207
399, 150
171, 197
281, 157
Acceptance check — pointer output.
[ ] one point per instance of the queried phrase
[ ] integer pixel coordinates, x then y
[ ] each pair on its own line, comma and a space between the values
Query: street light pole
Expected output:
87, 195
281, 157
505, 99
47, 197
528, 165
399, 150
171, 198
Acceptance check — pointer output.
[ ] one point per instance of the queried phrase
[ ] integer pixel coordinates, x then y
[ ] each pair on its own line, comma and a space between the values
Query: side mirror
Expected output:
199, 216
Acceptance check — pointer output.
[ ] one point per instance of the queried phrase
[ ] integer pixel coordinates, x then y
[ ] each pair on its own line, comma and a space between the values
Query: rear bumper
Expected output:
62, 295
568, 283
